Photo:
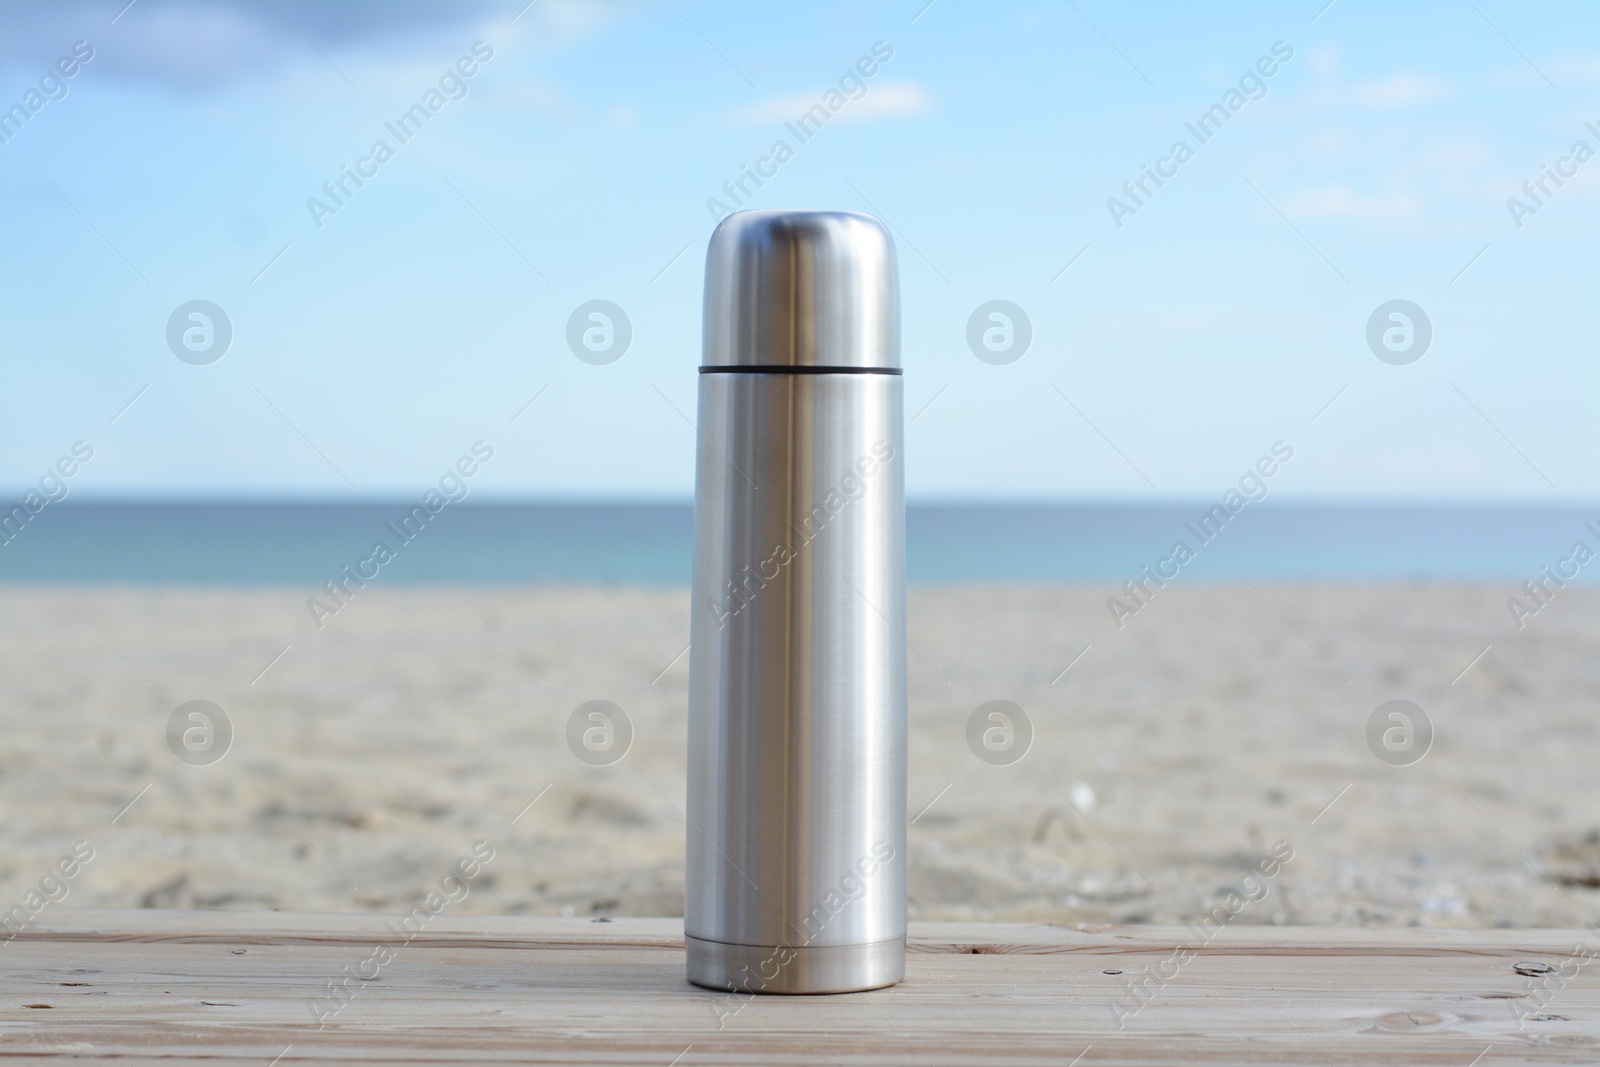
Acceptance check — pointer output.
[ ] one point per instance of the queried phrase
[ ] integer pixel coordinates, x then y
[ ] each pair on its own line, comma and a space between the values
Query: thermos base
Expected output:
781, 969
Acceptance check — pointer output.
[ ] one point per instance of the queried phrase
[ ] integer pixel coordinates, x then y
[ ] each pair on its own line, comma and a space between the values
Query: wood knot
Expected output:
1411, 1020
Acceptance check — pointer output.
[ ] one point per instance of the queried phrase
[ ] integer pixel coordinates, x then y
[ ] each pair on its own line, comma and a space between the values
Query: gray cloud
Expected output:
195, 45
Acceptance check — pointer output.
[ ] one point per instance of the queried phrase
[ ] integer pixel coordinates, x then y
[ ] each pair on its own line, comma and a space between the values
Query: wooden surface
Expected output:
242, 988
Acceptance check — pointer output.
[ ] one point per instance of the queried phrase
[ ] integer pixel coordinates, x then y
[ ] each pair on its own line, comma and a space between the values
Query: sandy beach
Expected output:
1167, 761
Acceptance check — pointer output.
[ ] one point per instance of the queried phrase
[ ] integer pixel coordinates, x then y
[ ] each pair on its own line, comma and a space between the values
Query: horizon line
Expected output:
1160, 500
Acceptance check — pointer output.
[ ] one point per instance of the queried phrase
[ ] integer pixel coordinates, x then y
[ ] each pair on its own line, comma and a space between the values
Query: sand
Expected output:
1169, 760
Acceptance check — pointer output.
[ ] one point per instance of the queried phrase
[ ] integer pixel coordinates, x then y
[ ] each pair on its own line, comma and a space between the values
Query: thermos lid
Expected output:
801, 289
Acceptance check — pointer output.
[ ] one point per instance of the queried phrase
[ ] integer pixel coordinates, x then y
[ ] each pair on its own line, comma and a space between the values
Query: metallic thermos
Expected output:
795, 880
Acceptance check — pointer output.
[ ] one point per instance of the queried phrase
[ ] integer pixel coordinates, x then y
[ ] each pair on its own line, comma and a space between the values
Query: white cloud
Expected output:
1394, 93
529, 97
622, 117
890, 100
1401, 90
1327, 60
1579, 69
1342, 202
883, 100
566, 22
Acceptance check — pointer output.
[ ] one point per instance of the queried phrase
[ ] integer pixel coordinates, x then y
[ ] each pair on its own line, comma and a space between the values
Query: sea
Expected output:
650, 543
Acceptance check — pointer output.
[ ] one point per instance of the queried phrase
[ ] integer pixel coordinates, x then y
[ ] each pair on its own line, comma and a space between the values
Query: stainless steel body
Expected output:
797, 704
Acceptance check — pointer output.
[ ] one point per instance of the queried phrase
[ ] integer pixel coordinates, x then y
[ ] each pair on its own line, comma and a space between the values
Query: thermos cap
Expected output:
801, 289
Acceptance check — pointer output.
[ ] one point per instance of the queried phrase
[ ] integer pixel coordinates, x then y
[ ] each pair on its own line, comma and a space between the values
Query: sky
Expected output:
1357, 154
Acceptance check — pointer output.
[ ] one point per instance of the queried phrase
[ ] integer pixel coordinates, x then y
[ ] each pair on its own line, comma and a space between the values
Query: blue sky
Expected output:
1223, 315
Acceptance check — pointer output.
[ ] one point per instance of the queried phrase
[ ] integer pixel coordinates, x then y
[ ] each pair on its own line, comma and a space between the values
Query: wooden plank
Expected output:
244, 987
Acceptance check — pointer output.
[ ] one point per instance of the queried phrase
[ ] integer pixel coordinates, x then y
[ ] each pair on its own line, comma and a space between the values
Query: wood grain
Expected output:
239, 988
